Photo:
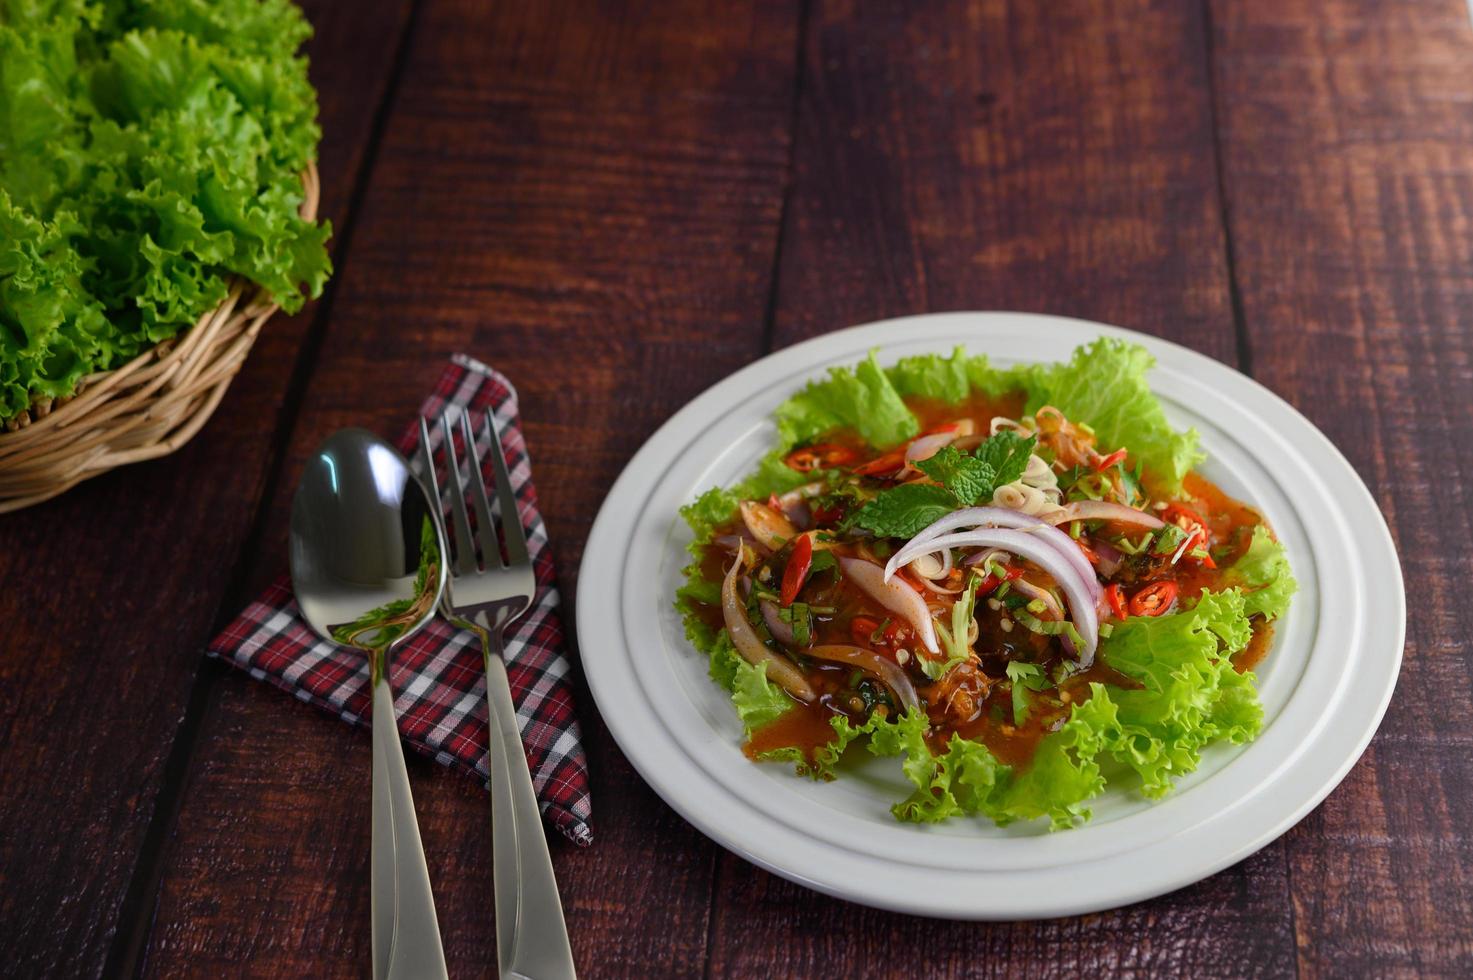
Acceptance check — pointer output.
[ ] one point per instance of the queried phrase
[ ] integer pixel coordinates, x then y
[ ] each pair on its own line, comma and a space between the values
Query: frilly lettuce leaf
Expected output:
1104, 384
1263, 575
758, 700
860, 397
1191, 694
949, 378
149, 151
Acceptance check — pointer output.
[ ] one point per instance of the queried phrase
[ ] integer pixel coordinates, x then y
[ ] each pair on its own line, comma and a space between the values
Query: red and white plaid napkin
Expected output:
438, 679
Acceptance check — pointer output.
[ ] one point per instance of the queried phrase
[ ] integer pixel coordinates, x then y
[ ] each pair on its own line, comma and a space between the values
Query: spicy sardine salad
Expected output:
1012, 577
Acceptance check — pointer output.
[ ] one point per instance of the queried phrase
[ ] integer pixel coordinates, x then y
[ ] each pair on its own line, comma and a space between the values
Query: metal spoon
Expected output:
367, 570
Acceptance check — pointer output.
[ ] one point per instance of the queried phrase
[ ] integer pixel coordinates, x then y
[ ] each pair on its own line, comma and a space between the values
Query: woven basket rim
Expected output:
145, 408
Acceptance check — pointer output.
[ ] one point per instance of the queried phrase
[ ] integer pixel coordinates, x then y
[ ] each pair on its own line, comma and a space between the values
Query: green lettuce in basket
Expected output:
149, 152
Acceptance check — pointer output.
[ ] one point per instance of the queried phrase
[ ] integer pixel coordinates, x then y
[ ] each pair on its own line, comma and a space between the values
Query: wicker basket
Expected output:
147, 408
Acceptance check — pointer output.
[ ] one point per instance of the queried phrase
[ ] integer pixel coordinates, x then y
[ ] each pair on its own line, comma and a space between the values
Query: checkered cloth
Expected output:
437, 674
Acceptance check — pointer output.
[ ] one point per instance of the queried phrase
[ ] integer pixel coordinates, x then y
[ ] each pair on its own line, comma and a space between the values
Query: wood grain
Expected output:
589, 201
111, 589
984, 155
1345, 130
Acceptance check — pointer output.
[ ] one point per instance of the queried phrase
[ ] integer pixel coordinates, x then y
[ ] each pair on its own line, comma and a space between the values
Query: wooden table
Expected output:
618, 205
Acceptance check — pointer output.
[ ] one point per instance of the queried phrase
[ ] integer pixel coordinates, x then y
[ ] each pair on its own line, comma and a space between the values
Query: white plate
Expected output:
1324, 687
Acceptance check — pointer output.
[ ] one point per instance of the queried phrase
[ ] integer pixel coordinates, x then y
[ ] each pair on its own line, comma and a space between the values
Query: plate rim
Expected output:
902, 331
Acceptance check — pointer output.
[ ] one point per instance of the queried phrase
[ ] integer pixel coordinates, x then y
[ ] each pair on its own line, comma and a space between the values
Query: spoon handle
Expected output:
406, 934
531, 936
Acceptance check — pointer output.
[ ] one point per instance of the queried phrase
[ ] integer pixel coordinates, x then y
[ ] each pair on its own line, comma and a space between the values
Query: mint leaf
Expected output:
1007, 455
905, 510
967, 477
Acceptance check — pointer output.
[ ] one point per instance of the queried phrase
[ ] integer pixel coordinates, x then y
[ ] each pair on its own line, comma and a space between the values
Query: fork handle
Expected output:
531, 936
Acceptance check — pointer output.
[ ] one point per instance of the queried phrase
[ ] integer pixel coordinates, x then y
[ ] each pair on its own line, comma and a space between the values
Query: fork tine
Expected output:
465, 559
427, 455
511, 518
485, 527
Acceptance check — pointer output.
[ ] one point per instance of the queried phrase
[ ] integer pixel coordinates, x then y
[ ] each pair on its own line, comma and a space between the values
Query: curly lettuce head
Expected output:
149, 152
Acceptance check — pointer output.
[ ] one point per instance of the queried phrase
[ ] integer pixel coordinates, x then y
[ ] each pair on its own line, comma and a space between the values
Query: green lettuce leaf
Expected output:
150, 153
1191, 695
1104, 385
758, 700
1263, 575
861, 398
950, 378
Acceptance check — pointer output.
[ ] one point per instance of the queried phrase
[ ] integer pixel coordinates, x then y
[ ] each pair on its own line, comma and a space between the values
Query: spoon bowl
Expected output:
367, 560
365, 547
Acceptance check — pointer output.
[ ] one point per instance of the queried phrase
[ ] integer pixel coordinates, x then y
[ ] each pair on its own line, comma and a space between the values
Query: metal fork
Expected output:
531, 936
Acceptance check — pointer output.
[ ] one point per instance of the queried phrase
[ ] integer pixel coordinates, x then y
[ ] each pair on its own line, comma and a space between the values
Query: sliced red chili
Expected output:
830, 514
992, 581
1116, 600
819, 456
1154, 599
1176, 512
863, 629
1105, 462
1199, 541
888, 463
1189, 520
799, 563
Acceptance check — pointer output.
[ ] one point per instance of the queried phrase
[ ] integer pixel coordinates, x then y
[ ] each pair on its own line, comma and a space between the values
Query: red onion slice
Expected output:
1031, 591
867, 660
1110, 557
779, 669
1082, 599
1054, 612
894, 595
973, 517
1103, 510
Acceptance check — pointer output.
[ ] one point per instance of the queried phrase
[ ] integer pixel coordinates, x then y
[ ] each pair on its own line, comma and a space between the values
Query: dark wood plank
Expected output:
985, 155
589, 200
1345, 137
981, 154
110, 589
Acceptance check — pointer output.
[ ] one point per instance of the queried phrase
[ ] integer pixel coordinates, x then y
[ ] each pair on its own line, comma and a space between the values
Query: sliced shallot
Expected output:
781, 632
1103, 510
770, 528
927, 446
894, 595
1109, 557
779, 669
867, 660
1031, 591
